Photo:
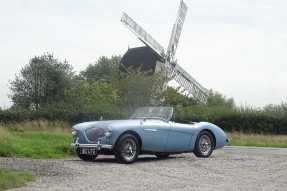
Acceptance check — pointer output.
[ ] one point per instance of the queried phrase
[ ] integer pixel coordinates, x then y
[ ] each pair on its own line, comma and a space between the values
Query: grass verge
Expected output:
14, 178
257, 140
34, 143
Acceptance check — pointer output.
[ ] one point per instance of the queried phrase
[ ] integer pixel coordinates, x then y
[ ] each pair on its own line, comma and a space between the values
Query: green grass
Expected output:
35, 143
257, 140
14, 178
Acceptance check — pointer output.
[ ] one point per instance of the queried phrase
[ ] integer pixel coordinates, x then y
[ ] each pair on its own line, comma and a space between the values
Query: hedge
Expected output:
235, 120
73, 117
228, 119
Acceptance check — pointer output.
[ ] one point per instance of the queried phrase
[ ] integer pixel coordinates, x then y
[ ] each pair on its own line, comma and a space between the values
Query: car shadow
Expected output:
141, 159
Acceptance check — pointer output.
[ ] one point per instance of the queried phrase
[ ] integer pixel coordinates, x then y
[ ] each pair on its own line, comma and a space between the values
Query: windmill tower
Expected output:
162, 61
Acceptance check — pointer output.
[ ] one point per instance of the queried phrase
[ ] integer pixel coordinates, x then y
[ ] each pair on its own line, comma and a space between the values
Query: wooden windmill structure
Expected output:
154, 58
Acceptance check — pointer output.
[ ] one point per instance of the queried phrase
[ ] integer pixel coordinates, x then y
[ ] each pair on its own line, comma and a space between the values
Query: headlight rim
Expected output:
107, 132
74, 132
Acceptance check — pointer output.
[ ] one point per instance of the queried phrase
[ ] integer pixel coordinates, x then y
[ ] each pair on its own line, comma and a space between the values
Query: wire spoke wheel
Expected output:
204, 144
127, 149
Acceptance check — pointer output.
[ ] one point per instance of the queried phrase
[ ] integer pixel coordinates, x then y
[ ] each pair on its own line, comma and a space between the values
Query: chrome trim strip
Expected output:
105, 146
154, 130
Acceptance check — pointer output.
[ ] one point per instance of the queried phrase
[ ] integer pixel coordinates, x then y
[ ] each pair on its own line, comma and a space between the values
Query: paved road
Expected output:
255, 150
231, 168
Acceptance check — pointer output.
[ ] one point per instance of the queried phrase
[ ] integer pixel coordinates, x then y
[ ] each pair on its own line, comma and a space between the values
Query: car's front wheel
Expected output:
127, 148
204, 144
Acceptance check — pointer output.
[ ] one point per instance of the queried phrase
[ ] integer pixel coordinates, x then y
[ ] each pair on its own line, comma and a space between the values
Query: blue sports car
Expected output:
148, 131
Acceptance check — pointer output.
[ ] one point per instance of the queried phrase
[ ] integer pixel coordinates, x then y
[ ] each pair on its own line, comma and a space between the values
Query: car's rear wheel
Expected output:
162, 155
204, 144
127, 148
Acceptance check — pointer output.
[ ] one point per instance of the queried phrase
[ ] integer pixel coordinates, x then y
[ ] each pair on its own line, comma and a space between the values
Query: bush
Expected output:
8, 116
242, 120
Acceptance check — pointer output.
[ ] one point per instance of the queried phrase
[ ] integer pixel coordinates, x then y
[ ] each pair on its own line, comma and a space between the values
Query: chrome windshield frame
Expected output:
140, 113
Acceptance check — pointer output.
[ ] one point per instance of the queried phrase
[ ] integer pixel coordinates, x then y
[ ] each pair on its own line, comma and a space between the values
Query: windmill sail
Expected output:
187, 82
168, 64
176, 72
142, 34
176, 31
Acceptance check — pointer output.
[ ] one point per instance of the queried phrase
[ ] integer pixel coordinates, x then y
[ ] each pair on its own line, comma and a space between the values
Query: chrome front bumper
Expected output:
96, 146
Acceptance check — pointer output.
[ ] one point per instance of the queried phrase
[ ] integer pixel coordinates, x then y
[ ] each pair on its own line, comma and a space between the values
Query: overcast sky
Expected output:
237, 47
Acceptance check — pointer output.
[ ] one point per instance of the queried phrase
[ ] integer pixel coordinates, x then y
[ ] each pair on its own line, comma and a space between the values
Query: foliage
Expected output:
242, 120
133, 88
14, 178
91, 96
41, 82
139, 89
174, 97
276, 110
34, 125
56, 114
102, 70
217, 99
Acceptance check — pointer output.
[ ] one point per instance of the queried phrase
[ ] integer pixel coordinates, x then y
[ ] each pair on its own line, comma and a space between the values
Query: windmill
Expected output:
164, 61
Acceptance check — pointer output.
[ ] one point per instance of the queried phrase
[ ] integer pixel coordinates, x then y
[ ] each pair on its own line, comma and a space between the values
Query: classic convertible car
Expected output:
148, 131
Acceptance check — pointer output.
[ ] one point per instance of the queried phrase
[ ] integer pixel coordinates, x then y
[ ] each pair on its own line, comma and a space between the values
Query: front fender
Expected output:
117, 132
220, 137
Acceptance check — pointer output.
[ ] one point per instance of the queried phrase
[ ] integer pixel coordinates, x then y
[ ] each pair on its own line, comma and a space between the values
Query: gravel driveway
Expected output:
232, 168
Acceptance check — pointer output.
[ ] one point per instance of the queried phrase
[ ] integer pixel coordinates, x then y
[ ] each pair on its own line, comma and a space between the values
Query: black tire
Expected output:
204, 144
162, 155
86, 157
127, 149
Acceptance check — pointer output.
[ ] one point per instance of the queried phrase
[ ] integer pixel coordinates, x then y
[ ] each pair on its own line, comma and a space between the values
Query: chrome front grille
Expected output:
93, 134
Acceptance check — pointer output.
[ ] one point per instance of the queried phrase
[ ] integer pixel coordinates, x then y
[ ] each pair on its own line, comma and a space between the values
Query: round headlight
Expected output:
108, 133
74, 133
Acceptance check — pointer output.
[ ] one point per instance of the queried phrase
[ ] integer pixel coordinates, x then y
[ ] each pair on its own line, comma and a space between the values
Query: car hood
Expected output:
110, 124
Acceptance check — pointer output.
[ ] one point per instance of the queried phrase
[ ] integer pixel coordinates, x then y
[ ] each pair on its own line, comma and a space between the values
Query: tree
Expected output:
90, 97
41, 82
279, 110
217, 99
139, 89
134, 88
175, 98
102, 70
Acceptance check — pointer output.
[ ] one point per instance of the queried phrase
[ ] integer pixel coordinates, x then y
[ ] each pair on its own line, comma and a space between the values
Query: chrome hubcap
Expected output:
205, 144
129, 149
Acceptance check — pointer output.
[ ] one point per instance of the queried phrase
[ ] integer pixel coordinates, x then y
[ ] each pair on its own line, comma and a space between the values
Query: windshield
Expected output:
164, 113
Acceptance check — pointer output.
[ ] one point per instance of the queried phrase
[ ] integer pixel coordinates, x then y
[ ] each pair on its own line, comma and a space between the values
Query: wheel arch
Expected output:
130, 132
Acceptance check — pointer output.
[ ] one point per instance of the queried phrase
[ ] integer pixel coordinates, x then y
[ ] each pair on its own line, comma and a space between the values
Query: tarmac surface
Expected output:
231, 168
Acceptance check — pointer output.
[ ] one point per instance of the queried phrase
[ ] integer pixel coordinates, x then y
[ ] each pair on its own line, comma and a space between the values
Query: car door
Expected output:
179, 138
154, 134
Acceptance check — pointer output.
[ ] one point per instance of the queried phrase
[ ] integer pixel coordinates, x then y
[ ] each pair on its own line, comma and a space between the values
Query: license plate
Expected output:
88, 151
